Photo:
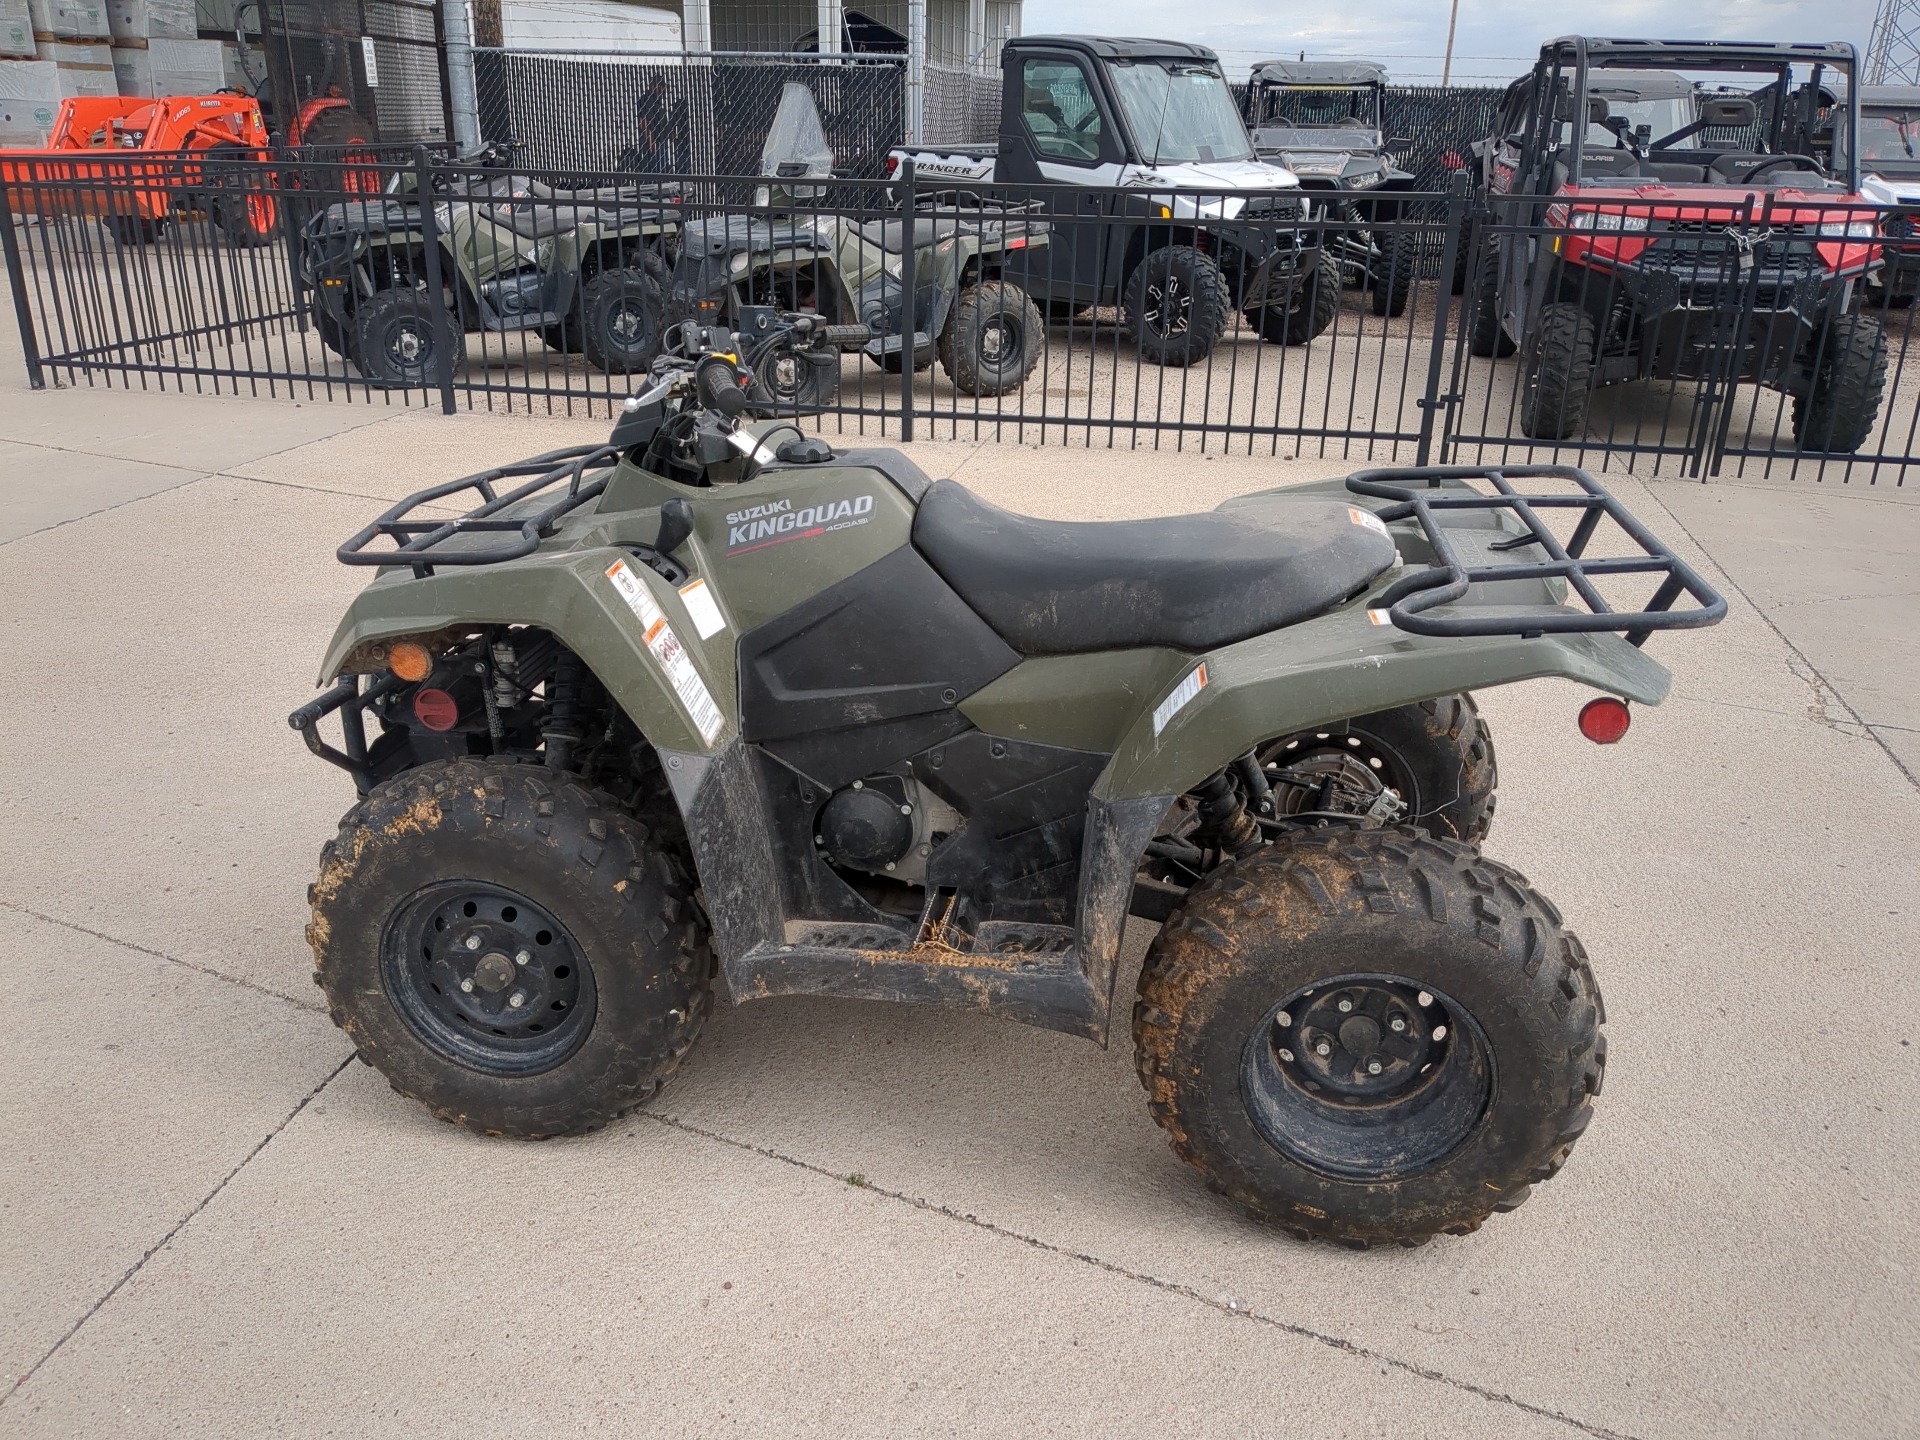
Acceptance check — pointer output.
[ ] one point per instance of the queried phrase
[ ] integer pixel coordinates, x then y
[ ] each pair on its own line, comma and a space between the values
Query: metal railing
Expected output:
1389, 329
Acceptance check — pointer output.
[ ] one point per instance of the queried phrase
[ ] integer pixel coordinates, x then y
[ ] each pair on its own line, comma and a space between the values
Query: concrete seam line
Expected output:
1792, 649
167, 1239
109, 509
1172, 1287
207, 970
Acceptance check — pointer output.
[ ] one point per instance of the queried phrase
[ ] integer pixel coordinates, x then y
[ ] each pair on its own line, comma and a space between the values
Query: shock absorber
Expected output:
561, 729
1223, 816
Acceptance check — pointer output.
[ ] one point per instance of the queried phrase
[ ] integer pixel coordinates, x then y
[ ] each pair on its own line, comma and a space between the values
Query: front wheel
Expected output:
992, 340
1553, 406
1394, 272
513, 950
620, 312
396, 340
1486, 336
1310, 308
1842, 399
1177, 306
1370, 1036
786, 380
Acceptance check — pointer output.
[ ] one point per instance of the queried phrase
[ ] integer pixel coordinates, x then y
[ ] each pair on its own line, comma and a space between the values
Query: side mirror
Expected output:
1598, 111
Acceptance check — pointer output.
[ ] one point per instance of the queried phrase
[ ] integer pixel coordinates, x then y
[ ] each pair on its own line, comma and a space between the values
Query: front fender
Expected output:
569, 594
1337, 666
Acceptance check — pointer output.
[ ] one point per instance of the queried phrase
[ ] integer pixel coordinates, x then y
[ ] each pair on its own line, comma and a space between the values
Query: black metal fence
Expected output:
1642, 333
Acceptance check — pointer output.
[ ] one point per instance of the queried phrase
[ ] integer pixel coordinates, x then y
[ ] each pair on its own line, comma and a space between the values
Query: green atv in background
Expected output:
580, 268
987, 333
716, 695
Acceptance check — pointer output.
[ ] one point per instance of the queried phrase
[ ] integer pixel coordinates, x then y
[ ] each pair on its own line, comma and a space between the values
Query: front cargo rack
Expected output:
422, 543
1407, 600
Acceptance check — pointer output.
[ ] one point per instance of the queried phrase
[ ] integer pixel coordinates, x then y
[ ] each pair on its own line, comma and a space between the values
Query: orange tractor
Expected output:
199, 154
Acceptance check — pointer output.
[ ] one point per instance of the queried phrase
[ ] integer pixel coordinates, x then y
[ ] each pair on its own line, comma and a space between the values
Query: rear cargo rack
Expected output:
422, 543
1407, 600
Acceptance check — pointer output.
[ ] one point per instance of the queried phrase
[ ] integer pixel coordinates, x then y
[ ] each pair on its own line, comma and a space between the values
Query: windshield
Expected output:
796, 141
1329, 107
1893, 139
1180, 113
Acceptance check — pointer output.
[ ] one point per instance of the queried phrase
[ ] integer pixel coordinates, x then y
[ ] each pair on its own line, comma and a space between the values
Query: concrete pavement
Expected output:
854, 1218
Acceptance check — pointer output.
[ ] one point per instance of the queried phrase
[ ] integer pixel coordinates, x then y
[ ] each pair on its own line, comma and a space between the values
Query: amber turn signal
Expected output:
410, 660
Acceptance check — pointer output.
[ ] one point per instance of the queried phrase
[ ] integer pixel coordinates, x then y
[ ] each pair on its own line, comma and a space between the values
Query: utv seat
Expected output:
1191, 582
886, 234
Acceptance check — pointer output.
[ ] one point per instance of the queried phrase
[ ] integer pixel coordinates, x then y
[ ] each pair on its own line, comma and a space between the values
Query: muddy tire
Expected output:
1428, 1143
1486, 336
578, 911
1836, 414
1438, 755
1393, 283
1553, 406
992, 340
1177, 306
620, 321
1312, 307
396, 342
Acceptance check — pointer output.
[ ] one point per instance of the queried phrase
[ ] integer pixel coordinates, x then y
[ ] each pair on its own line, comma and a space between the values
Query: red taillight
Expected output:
1605, 720
437, 710
893, 166
1019, 242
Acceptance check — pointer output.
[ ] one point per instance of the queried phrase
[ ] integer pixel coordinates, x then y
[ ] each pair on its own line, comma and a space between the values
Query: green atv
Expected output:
715, 695
582, 269
986, 331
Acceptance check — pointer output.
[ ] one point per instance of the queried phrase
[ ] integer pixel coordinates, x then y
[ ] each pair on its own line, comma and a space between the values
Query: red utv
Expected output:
1688, 233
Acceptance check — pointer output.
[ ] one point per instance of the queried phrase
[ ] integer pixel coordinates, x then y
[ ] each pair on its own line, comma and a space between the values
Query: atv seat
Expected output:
1191, 582
886, 233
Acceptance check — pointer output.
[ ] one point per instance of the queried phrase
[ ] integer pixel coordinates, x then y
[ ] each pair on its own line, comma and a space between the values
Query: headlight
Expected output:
1849, 229
1368, 180
1606, 220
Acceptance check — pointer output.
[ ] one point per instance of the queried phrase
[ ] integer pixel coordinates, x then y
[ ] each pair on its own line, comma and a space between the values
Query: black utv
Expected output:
1326, 121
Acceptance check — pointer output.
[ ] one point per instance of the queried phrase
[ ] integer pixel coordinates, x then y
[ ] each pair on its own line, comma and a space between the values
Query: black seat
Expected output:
1192, 582
887, 233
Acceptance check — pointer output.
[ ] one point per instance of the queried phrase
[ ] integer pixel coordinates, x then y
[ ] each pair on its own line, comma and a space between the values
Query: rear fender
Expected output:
571, 595
1332, 668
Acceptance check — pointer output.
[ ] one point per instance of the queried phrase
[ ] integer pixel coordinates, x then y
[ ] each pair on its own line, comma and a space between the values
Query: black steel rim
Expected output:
1367, 1076
408, 343
630, 327
487, 978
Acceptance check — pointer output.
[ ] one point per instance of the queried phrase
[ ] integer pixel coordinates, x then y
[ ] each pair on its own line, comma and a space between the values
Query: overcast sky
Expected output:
1497, 39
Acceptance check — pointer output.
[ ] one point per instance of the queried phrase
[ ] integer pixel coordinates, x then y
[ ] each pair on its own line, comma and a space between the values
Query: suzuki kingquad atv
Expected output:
1326, 122
987, 333
1664, 255
580, 268
716, 695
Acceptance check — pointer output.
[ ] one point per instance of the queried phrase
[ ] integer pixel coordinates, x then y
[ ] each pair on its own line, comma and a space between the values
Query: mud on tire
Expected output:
1373, 920
573, 906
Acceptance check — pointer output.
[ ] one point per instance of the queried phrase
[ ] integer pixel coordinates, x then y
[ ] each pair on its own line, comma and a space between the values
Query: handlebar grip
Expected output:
845, 334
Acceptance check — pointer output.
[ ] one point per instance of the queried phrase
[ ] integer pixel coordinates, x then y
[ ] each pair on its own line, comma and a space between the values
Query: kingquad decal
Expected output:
779, 522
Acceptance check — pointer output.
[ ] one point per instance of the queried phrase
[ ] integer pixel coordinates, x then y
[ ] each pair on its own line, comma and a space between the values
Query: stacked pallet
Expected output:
156, 49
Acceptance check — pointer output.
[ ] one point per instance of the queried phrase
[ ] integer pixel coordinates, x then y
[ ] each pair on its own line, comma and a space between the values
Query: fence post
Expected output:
909, 283
17, 279
430, 237
1432, 401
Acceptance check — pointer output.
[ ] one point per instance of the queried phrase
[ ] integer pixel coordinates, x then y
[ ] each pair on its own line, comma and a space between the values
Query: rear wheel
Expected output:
1553, 406
788, 381
396, 341
241, 201
1394, 273
620, 312
1177, 306
1369, 1036
510, 948
1842, 400
992, 340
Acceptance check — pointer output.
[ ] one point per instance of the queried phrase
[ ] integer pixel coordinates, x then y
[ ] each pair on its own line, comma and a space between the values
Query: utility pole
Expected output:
1446, 65
1893, 54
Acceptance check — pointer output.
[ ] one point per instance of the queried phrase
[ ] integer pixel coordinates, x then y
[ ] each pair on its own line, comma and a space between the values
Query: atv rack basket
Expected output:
424, 543
1407, 600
